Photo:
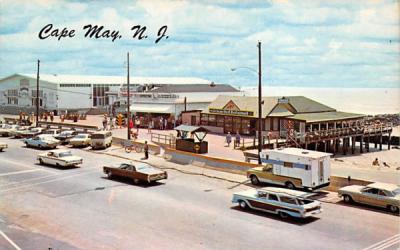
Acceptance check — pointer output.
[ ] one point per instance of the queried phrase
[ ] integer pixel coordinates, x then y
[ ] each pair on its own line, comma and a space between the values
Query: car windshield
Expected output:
144, 167
98, 136
65, 154
396, 191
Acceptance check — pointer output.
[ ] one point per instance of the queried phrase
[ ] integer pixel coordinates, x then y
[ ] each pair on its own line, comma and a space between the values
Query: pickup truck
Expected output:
3, 146
59, 158
139, 172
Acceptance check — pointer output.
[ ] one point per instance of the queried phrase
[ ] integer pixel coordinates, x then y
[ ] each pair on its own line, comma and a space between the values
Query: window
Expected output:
307, 167
272, 197
220, 121
12, 100
204, 119
288, 200
288, 164
12, 92
371, 191
381, 193
212, 121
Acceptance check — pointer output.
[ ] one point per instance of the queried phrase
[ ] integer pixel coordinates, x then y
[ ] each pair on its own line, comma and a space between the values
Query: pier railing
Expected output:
331, 134
166, 140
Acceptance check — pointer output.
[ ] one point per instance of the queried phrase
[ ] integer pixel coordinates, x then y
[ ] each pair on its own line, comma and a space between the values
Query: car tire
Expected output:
290, 185
254, 180
347, 198
243, 204
58, 165
39, 146
393, 209
41, 161
109, 175
128, 149
283, 215
136, 181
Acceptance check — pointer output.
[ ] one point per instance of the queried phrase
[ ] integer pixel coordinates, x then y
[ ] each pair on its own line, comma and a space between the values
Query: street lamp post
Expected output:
260, 102
260, 141
128, 102
37, 94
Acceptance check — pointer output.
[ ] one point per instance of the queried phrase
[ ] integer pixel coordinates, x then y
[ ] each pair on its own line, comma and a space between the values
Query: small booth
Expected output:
191, 139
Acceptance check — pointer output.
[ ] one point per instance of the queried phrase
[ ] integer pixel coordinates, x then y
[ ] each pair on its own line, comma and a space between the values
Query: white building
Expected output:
80, 92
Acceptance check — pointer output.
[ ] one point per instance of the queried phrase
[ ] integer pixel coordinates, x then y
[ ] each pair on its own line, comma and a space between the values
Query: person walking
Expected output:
161, 123
111, 122
237, 140
51, 116
165, 124
146, 150
137, 124
150, 126
104, 123
229, 139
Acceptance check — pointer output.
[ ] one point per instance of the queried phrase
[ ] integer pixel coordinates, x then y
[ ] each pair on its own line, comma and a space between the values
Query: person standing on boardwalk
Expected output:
146, 150
229, 138
237, 140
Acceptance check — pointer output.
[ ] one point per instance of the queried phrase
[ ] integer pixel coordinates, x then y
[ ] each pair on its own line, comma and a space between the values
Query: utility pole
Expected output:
260, 140
128, 105
37, 94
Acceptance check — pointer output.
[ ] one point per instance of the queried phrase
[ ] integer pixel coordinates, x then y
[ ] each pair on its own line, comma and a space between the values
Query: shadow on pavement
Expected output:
129, 181
366, 207
57, 167
291, 220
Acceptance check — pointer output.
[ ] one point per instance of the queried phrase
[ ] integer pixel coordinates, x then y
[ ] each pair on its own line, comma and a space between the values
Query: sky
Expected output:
336, 43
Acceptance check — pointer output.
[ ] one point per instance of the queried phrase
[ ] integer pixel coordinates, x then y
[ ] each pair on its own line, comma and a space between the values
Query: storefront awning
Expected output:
149, 108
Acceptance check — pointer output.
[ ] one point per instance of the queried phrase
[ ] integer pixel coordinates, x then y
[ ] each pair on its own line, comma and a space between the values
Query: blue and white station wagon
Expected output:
42, 141
284, 202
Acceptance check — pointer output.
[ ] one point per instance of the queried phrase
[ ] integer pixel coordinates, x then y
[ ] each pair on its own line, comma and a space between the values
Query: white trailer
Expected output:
311, 167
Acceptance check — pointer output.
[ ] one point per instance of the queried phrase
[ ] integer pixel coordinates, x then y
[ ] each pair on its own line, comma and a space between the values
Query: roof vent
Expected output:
304, 152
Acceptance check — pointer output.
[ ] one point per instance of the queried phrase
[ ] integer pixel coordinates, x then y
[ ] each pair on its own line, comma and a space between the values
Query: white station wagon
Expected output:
59, 158
281, 201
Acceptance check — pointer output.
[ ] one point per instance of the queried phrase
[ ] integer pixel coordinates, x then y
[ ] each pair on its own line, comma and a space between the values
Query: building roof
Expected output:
325, 116
301, 104
186, 88
98, 79
299, 152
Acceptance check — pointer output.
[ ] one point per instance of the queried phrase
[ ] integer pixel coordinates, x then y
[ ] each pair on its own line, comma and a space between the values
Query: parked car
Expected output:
53, 132
65, 136
284, 202
13, 133
3, 146
138, 172
8, 129
376, 194
59, 158
80, 140
28, 133
42, 141
101, 139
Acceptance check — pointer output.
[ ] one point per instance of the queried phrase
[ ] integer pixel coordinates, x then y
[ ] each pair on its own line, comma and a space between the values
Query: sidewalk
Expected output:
160, 162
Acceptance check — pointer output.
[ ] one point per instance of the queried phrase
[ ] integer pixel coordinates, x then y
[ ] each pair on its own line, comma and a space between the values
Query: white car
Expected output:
8, 130
59, 158
285, 202
80, 140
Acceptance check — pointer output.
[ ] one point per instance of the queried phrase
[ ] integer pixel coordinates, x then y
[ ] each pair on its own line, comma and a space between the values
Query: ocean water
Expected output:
369, 101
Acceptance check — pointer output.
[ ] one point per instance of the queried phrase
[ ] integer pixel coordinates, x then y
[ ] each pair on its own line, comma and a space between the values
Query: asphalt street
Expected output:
42, 207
